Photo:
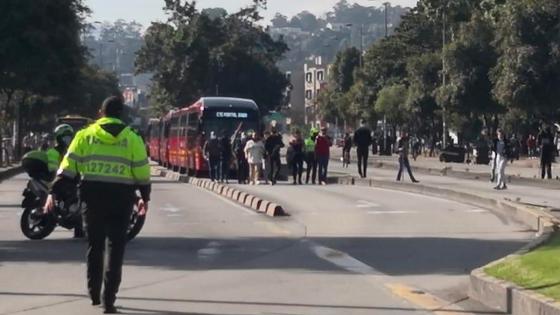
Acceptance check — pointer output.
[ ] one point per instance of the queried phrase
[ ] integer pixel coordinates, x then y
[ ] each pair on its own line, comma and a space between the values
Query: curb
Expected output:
508, 297
448, 171
240, 197
11, 172
492, 292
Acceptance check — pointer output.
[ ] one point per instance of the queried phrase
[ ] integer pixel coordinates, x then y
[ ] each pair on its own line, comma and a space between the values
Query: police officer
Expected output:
310, 159
63, 135
110, 161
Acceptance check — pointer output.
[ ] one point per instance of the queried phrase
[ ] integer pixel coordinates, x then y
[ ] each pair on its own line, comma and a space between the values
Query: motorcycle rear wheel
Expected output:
35, 225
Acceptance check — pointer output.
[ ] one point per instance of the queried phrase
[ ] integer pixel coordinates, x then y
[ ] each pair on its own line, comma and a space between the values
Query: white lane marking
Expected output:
343, 260
170, 208
234, 204
366, 204
392, 212
173, 215
211, 250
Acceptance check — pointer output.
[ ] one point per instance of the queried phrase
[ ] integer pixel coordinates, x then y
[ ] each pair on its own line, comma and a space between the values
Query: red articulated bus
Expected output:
184, 132
153, 138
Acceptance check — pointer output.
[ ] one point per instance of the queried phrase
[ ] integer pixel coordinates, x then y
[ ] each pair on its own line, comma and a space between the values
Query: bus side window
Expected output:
166, 129
183, 124
192, 127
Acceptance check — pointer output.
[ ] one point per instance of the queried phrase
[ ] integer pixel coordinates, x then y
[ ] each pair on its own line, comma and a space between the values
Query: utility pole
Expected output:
444, 81
386, 4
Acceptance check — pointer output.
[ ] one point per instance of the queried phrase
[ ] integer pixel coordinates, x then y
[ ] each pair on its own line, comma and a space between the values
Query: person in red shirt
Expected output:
323, 144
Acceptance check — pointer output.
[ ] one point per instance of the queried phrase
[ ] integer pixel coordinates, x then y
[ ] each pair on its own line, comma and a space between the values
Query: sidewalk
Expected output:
7, 172
542, 198
524, 172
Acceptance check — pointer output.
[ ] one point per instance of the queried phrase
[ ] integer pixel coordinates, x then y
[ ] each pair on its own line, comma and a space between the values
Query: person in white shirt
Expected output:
254, 151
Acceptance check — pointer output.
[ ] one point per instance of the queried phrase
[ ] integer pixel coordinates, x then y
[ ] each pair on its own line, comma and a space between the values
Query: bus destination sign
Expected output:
232, 115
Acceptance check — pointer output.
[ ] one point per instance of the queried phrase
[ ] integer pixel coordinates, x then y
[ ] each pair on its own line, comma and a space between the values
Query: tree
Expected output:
115, 48
193, 55
280, 20
40, 52
392, 103
527, 75
25, 46
307, 21
470, 58
343, 72
423, 73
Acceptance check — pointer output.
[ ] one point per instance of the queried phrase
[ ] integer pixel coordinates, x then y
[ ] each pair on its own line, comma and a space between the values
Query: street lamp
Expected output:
361, 42
386, 5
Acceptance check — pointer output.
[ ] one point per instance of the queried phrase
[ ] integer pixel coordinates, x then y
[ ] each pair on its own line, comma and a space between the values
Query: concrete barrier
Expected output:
274, 210
249, 200
256, 203
242, 197
235, 195
263, 206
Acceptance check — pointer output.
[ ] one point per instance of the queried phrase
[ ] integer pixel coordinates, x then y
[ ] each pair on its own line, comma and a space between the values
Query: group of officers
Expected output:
107, 162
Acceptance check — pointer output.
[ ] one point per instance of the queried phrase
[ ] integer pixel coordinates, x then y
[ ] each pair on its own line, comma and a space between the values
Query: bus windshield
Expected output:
224, 123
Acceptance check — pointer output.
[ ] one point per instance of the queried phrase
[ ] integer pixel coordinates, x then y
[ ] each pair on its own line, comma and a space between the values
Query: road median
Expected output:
236, 195
485, 287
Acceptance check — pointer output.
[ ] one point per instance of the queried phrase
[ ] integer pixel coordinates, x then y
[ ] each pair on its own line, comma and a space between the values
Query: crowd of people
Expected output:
258, 158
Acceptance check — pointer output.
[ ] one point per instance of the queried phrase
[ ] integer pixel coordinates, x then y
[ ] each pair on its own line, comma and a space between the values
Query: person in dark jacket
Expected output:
501, 150
212, 154
296, 145
273, 145
362, 140
346, 150
225, 158
403, 147
545, 140
239, 141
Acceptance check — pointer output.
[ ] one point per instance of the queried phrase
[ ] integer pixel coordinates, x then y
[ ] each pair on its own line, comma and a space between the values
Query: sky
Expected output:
145, 11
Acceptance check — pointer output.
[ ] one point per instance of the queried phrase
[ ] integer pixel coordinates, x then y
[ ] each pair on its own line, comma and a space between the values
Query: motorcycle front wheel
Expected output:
35, 225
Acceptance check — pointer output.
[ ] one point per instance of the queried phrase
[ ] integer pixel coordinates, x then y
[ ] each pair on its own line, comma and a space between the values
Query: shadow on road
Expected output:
389, 255
132, 310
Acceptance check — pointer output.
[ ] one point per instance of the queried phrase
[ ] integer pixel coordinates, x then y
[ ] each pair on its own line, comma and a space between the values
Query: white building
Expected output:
316, 76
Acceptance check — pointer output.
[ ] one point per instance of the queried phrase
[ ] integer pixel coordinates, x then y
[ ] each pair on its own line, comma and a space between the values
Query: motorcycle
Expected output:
67, 212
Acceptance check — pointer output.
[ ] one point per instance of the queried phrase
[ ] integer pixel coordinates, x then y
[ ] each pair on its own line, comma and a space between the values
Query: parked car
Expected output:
453, 153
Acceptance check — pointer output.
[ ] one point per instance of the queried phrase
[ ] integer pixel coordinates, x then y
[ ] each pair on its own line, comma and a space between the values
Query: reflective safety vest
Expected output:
54, 158
97, 156
309, 145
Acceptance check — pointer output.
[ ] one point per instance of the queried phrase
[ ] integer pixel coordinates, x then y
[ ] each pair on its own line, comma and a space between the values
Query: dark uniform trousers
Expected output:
106, 218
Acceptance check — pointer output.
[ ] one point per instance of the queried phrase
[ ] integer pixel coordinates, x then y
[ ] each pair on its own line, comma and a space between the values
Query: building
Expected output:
316, 76
292, 32
296, 97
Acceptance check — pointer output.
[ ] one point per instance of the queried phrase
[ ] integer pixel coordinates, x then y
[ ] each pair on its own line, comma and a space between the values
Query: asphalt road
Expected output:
343, 250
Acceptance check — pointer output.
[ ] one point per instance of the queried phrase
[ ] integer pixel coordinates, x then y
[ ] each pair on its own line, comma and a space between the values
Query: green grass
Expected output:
538, 270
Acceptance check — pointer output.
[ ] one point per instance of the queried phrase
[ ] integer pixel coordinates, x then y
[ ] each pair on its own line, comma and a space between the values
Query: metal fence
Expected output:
7, 153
